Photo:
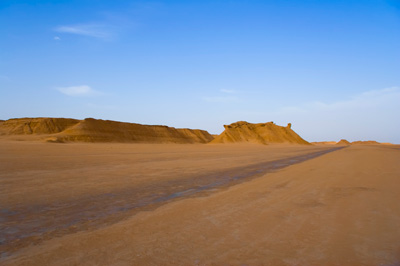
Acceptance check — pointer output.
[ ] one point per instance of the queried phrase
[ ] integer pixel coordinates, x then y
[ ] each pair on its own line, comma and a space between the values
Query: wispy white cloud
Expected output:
226, 97
56, 38
101, 31
227, 91
221, 99
108, 26
78, 91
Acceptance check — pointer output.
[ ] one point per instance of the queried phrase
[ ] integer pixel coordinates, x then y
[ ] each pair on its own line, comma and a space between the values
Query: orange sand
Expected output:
337, 209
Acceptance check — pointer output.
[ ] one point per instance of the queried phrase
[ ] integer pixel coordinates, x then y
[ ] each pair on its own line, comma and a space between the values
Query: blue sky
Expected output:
331, 68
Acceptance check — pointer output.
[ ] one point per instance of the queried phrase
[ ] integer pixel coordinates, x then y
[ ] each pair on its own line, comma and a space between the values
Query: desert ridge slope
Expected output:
262, 133
39, 125
94, 130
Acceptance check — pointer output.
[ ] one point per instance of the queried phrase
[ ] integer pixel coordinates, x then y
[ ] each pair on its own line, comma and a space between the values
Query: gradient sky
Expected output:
331, 68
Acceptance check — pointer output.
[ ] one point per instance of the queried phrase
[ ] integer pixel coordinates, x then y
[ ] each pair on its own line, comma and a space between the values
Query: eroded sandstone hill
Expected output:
93, 130
262, 133
343, 142
27, 126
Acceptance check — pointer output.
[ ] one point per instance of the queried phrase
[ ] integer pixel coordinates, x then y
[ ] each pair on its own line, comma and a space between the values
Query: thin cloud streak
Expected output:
78, 91
91, 30
228, 91
226, 99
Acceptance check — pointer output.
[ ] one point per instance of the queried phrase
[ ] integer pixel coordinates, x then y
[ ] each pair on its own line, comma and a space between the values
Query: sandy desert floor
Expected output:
144, 204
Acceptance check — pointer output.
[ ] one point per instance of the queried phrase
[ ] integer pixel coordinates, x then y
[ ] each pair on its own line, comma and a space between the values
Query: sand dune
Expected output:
263, 133
93, 130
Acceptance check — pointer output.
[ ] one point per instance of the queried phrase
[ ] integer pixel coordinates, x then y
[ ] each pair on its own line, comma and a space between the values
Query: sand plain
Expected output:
339, 208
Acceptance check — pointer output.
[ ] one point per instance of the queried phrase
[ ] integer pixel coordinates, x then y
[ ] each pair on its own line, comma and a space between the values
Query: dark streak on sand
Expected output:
33, 224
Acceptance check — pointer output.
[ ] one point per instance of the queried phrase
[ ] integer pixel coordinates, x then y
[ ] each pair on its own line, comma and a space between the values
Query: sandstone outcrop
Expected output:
26, 126
343, 142
263, 133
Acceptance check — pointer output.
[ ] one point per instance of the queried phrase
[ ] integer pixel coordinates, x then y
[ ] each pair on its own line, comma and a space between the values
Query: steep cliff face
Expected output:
262, 133
93, 130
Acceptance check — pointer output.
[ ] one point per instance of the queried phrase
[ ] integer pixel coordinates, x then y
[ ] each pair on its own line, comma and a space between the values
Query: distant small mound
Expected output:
343, 142
359, 142
263, 133
59, 130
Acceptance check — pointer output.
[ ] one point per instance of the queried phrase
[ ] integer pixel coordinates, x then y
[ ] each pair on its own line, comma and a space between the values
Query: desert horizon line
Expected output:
289, 124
